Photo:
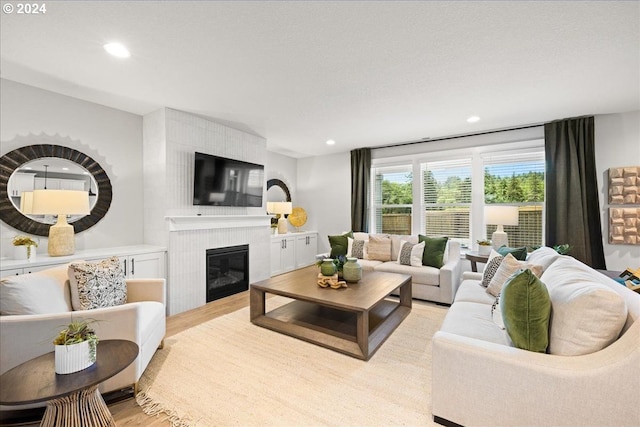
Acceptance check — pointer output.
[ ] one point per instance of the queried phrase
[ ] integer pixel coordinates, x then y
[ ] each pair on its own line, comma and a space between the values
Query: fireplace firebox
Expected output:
227, 271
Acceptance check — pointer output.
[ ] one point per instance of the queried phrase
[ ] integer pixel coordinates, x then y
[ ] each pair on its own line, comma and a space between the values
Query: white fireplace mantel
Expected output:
210, 222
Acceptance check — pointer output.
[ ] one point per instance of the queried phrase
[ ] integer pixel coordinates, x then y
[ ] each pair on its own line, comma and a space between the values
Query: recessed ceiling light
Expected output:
473, 119
65, 169
117, 49
331, 142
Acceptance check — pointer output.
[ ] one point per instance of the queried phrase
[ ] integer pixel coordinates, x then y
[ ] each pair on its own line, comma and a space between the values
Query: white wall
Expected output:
324, 191
111, 137
617, 144
284, 168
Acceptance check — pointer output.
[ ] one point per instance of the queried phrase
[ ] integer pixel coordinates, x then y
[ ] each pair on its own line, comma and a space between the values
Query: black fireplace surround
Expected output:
227, 271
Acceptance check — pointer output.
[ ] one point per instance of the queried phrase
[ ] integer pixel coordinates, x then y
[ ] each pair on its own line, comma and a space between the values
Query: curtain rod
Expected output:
444, 138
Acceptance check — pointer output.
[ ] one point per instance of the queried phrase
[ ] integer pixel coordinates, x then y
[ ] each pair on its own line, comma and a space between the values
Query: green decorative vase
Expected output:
327, 268
352, 271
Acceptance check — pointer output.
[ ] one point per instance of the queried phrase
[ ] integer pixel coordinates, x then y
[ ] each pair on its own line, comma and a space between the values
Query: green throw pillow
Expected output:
518, 253
434, 248
339, 244
526, 308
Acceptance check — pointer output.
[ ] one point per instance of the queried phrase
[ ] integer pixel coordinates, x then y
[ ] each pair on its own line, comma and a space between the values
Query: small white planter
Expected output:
484, 250
20, 252
74, 357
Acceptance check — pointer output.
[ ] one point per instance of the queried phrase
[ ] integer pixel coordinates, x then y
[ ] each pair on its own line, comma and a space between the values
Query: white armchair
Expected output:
141, 320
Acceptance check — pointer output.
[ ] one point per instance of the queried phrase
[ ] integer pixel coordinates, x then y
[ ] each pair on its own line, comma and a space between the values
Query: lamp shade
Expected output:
282, 208
60, 202
501, 215
26, 202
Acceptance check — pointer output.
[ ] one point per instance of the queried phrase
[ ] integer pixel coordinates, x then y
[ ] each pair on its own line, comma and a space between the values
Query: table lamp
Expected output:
61, 203
280, 209
500, 216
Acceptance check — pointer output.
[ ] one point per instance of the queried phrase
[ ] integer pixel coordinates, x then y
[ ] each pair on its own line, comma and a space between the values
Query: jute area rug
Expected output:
229, 372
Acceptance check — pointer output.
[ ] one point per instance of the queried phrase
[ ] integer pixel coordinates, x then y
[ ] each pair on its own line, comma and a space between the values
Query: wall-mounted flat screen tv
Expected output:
219, 181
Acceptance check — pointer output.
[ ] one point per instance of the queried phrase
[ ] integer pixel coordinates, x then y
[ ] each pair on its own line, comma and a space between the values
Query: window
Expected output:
517, 180
392, 199
446, 201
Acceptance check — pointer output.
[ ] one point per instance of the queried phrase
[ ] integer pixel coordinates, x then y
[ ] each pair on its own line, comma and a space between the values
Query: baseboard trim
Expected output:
445, 422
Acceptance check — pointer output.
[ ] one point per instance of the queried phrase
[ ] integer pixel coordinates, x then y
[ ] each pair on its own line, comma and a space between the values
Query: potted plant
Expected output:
484, 246
76, 347
24, 248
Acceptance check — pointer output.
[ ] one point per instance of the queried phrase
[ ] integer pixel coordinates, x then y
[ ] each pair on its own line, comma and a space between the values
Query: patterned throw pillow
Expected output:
490, 270
411, 254
379, 247
496, 313
97, 285
357, 249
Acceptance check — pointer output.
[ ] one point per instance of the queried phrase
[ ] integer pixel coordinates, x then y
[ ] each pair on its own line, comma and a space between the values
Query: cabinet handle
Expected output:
125, 267
133, 266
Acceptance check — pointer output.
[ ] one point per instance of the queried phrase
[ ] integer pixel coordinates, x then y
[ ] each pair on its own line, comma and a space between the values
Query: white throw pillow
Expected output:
410, 254
35, 293
543, 256
585, 317
508, 266
97, 285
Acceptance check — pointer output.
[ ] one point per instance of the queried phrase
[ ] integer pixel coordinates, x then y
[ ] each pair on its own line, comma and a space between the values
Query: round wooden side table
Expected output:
72, 399
475, 257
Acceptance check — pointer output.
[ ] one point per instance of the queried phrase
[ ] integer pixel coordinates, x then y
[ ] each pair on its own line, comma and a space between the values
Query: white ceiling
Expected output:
361, 73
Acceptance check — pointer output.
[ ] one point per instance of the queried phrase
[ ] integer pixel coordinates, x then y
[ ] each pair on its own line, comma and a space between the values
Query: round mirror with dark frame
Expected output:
15, 160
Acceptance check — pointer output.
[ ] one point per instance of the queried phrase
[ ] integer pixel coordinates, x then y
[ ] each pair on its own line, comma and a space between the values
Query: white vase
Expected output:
74, 357
20, 252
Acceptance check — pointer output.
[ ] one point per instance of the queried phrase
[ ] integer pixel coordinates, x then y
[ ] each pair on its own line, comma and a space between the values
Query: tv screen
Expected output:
219, 181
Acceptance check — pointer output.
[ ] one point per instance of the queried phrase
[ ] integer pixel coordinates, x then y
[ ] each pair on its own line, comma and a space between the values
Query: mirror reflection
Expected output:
50, 173
276, 194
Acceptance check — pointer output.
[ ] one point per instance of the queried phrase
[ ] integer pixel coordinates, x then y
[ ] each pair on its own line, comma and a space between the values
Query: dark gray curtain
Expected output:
572, 207
360, 183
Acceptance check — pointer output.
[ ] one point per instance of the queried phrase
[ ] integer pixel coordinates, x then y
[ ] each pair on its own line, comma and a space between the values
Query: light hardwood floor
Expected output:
127, 412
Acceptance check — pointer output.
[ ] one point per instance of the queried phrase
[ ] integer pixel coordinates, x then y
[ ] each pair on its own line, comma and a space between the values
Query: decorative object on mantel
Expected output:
298, 217
624, 185
280, 209
352, 270
331, 281
24, 247
484, 247
76, 347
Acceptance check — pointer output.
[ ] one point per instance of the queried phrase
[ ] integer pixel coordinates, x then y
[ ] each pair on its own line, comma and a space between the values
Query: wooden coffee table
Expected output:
355, 320
72, 399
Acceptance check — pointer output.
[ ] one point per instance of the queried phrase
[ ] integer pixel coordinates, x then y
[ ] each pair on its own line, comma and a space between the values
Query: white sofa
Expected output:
428, 283
480, 379
141, 319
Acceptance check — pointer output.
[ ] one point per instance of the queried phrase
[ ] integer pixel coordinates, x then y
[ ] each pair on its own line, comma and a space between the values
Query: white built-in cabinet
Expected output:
292, 250
140, 262
21, 182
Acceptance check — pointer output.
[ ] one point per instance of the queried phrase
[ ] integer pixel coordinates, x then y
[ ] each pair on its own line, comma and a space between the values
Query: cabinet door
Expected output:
10, 272
289, 254
52, 184
145, 266
21, 182
71, 184
306, 247
276, 249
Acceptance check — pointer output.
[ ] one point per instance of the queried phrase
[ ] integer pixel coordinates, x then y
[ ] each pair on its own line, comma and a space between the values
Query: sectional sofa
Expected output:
589, 376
